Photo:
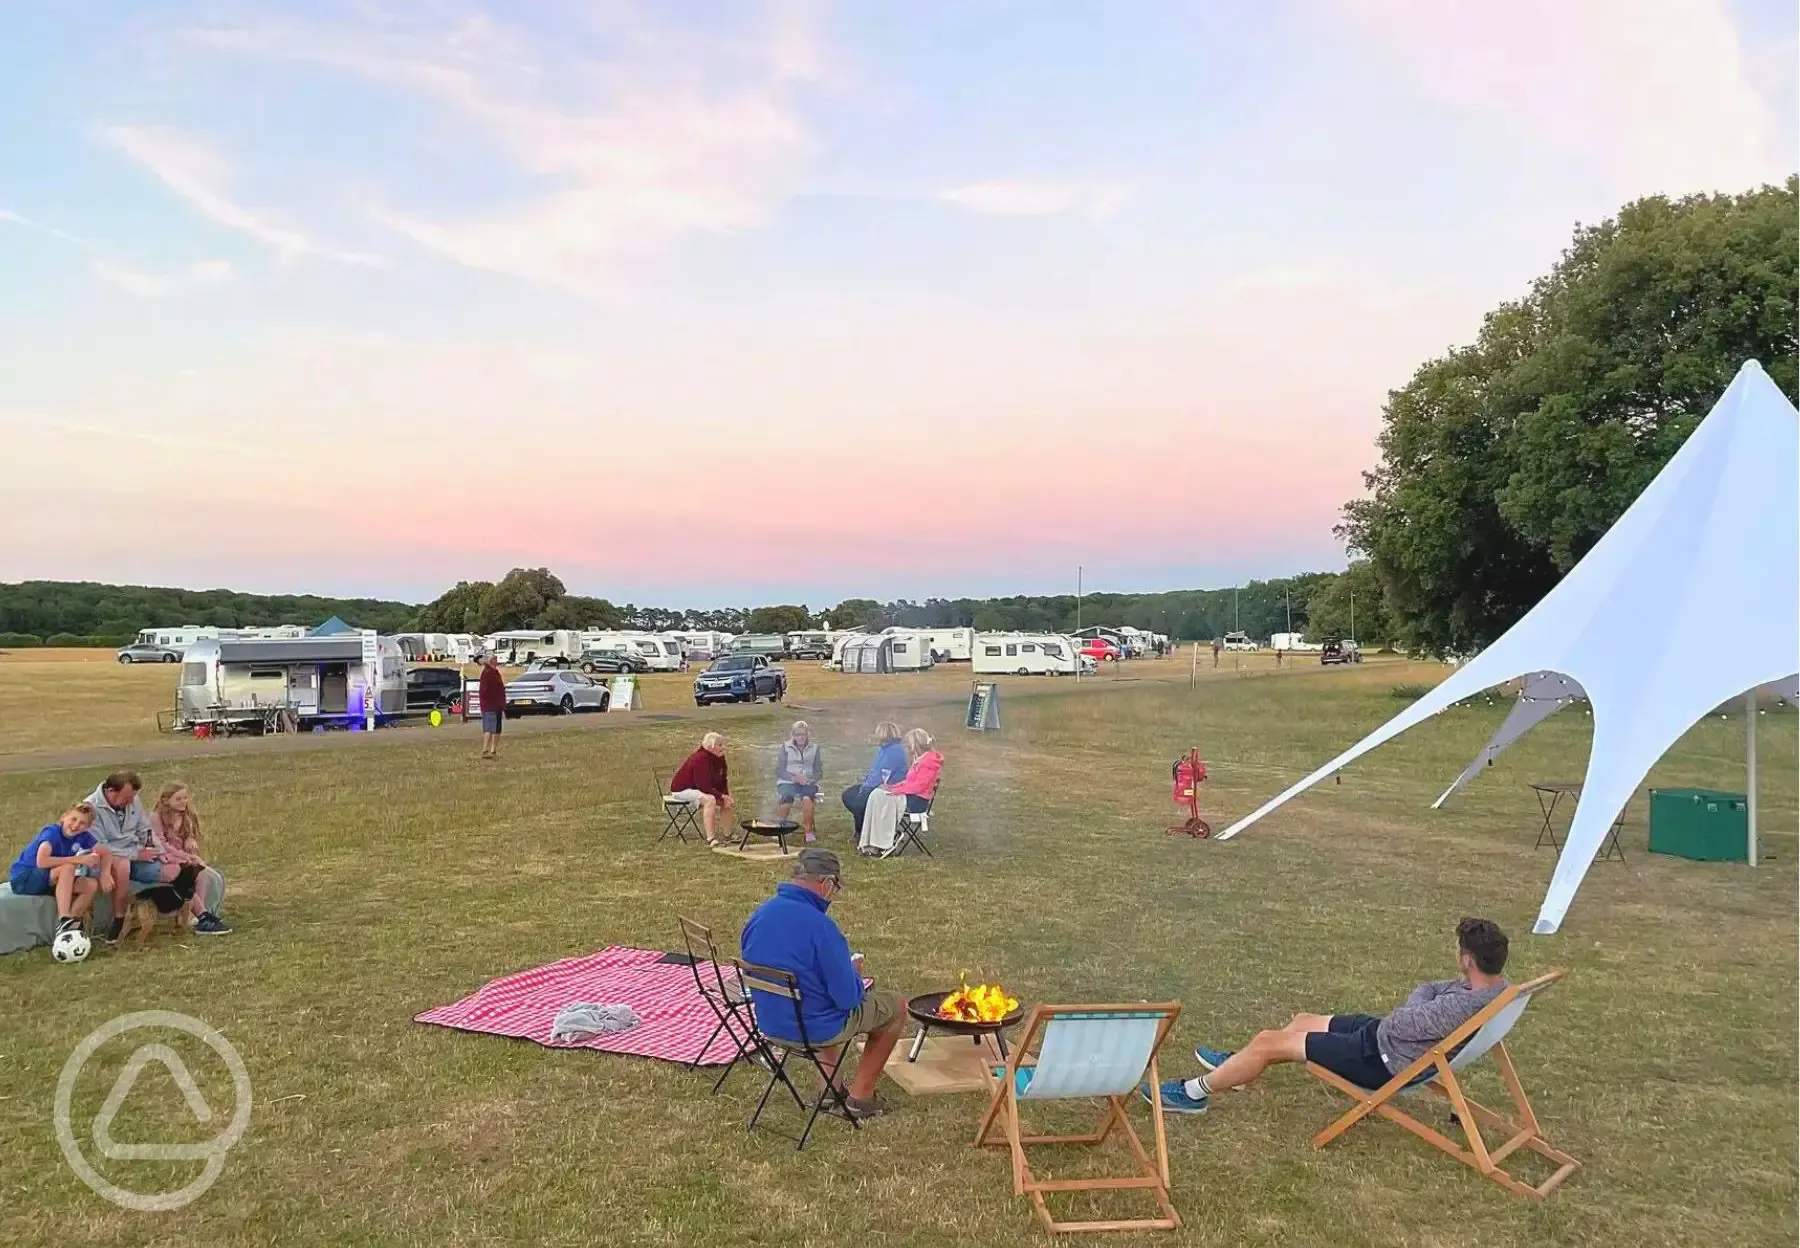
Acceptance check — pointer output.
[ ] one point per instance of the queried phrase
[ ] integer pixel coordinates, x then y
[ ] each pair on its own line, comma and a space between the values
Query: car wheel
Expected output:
699, 702
606, 704
124, 658
567, 705
171, 658
589, 668
1023, 671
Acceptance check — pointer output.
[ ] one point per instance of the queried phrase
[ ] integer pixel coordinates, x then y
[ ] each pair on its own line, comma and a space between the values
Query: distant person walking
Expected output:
1217, 646
493, 706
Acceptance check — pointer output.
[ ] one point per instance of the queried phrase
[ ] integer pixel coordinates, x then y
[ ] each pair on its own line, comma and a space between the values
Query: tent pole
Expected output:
1750, 773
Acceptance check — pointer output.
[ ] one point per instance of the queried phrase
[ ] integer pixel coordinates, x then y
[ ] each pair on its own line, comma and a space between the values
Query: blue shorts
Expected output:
1349, 1050
491, 721
787, 791
31, 882
147, 872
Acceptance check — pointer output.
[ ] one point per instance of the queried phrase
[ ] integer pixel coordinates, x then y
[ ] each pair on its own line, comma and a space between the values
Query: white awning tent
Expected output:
1541, 695
1710, 549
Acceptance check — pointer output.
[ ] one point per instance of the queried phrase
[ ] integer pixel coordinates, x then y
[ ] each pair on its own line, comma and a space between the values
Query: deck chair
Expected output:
1086, 1052
1436, 1072
730, 1005
683, 815
910, 829
776, 1053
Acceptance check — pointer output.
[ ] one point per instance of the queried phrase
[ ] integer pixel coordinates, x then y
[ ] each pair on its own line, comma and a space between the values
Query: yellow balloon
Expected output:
437, 717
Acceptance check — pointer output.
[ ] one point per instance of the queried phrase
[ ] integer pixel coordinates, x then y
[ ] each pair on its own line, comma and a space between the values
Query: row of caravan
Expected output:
914, 650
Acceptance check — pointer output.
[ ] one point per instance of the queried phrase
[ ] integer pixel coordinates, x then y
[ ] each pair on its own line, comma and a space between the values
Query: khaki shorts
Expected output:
880, 1007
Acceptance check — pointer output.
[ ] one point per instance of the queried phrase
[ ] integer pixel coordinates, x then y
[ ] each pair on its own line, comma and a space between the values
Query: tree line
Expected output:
85, 613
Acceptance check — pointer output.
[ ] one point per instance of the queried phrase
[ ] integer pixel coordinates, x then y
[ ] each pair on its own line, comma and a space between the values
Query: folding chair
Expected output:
728, 1000
1087, 1051
1436, 1071
910, 829
780, 983
683, 814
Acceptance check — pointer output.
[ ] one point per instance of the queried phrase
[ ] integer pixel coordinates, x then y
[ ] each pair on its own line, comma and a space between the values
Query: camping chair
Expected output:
1436, 1071
775, 1053
1087, 1051
910, 829
728, 1001
683, 815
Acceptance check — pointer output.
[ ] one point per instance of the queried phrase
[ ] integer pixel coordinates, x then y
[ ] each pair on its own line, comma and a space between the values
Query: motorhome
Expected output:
274, 683
1028, 654
1291, 641
1239, 641
945, 645
522, 645
177, 636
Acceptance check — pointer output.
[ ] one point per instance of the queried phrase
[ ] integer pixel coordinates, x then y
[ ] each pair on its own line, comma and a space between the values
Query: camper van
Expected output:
1028, 654
177, 637
258, 682
523, 645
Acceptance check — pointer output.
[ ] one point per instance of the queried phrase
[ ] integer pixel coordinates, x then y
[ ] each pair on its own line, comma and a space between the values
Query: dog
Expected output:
159, 900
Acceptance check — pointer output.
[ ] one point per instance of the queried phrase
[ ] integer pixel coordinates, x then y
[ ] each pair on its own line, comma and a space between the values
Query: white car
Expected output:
554, 693
1239, 641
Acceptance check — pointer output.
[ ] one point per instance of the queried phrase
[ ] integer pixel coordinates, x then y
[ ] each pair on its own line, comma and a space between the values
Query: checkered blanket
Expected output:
675, 1019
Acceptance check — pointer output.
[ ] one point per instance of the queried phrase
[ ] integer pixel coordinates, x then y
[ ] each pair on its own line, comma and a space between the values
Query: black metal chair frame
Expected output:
681, 815
909, 829
776, 1053
729, 1003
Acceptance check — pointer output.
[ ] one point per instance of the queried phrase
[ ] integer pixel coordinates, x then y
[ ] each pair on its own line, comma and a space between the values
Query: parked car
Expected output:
141, 653
551, 693
1100, 649
740, 678
1336, 651
547, 663
432, 687
592, 661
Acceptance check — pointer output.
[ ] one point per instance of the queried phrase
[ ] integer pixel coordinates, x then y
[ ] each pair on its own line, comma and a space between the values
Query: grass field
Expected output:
370, 884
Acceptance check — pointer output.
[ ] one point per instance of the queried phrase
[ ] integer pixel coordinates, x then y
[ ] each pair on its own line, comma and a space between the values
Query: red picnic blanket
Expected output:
674, 1019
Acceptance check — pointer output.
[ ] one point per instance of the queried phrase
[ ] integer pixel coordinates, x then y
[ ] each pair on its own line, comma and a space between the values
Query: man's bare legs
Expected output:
1268, 1048
876, 1051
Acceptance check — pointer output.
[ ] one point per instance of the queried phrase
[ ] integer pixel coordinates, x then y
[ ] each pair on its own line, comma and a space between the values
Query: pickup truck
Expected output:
740, 678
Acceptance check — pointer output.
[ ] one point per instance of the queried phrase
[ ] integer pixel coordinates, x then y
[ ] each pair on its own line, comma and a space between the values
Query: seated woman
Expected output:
798, 772
890, 761
881, 818
704, 780
175, 838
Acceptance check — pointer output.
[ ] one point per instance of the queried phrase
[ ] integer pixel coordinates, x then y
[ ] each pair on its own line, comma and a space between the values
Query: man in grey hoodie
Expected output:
1363, 1048
798, 772
120, 826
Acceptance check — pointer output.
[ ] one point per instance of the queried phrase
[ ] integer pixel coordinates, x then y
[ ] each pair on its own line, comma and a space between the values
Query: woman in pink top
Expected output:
881, 817
175, 838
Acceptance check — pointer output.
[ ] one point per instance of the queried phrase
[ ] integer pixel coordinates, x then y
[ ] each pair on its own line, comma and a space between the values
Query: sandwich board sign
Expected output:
984, 707
624, 695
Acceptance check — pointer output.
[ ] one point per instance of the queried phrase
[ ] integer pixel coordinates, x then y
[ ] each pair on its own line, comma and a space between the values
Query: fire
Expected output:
984, 1003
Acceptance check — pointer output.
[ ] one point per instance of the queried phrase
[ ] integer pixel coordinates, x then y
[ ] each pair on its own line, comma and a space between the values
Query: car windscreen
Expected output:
734, 665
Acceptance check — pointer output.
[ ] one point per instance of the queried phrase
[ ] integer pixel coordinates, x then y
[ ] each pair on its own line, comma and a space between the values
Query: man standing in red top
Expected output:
493, 706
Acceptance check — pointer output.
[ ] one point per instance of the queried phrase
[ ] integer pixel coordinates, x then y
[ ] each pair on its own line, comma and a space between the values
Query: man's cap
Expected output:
818, 864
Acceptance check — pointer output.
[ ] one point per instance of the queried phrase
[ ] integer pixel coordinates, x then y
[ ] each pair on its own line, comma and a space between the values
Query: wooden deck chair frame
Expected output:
729, 1005
777, 1052
910, 828
683, 816
1003, 1115
1439, 1066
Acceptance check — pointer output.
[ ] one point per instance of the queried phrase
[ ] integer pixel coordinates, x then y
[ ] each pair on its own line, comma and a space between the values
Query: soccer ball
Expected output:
70, 946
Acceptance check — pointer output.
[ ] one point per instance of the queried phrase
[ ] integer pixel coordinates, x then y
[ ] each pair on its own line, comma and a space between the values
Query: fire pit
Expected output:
924, 1011
777, 828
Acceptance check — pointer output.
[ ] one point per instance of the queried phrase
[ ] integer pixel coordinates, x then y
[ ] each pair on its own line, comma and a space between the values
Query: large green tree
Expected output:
1503, 462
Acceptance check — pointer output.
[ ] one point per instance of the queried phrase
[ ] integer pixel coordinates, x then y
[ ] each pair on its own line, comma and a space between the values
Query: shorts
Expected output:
880, 1007
788, 791
692, 797
147, 872
1348, 1049
491, 721
31, 882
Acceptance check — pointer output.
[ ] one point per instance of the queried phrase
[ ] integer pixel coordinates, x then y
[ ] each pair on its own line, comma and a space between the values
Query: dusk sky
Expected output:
701, 303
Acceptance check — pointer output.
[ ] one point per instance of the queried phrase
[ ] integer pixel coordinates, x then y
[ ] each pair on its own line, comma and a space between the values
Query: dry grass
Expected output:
370, 884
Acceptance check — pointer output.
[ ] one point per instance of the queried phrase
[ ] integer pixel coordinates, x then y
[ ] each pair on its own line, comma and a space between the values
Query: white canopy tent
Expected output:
1712, 545
1541, 695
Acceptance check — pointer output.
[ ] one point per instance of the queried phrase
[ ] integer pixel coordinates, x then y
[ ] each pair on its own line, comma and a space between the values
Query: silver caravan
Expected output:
264, 684
524, 645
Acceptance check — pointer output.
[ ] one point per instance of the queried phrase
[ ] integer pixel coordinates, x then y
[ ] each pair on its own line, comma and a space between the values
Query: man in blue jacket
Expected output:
792, 932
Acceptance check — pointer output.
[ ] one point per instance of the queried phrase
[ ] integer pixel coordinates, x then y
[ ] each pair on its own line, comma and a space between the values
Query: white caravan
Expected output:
659, 652
704, 646
911, 652
522, 645
1028, 654
946, 645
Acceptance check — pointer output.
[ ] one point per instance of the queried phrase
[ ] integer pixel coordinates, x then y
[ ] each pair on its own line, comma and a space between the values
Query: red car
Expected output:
1100, 649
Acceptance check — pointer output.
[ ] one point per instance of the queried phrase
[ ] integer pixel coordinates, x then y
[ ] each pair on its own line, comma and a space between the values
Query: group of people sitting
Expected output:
902, 778
793, 932
108, 844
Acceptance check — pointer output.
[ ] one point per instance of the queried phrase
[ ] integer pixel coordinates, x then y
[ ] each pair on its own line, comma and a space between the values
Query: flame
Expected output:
984, 1003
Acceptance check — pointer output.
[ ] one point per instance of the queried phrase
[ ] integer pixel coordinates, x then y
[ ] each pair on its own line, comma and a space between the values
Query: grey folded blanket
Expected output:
583, 1020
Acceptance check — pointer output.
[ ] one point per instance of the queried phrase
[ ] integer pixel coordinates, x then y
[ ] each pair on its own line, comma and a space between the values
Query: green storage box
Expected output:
1704, 824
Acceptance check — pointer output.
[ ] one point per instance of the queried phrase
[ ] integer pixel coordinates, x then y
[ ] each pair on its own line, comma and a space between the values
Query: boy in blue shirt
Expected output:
65, 861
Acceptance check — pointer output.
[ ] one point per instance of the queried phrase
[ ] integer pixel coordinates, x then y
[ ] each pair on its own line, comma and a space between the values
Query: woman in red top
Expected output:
703, 780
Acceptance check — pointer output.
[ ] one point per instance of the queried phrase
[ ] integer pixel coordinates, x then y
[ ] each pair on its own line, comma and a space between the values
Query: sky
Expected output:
744, 301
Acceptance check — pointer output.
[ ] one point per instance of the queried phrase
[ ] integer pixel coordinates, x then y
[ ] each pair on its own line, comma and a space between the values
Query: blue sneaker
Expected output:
1175, 1099
1210, 1059
210, 924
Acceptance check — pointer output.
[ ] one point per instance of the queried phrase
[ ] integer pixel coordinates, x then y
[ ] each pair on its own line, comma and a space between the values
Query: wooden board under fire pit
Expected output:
946, 1064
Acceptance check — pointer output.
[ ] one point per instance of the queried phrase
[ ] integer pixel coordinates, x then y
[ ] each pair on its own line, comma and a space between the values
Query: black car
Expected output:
592, 661
430, 688
740, 678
